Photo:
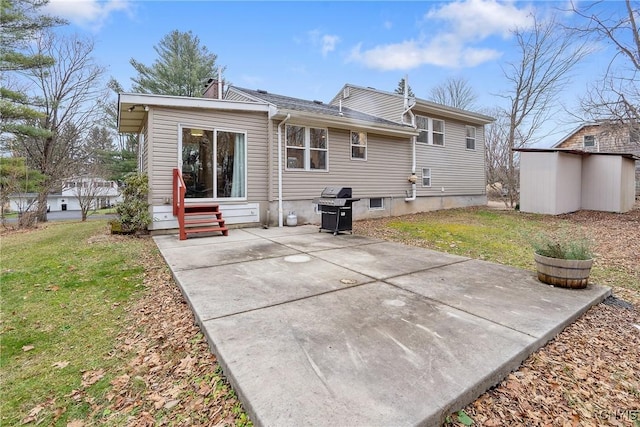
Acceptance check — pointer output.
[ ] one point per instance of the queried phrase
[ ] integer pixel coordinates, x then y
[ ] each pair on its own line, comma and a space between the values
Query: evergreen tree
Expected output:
182, 67
20, 21
400, 88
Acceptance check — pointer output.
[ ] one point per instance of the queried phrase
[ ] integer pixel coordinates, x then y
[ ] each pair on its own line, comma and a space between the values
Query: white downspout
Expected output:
280, 210
407, 109
413, 178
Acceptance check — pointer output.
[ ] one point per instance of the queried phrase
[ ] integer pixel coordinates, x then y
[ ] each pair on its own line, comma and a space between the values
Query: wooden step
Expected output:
204, 221
196, 230
217, 214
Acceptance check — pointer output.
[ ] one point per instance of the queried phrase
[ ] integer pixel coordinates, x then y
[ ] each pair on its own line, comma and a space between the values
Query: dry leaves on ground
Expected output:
171, 377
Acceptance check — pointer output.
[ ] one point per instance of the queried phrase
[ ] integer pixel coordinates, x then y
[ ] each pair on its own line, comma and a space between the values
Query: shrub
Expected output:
133, 212
564, 247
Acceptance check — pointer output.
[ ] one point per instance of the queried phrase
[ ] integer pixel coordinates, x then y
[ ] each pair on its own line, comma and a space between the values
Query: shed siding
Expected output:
568, 182
166, 124
607, 139
538, 182
608, 183
372, 102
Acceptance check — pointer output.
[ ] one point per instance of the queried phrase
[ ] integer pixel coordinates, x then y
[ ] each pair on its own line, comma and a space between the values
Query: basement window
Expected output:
376, 203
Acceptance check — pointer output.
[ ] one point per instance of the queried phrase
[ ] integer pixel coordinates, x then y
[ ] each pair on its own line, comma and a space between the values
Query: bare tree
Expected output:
454, 92
547, 56
69, 91
615, 96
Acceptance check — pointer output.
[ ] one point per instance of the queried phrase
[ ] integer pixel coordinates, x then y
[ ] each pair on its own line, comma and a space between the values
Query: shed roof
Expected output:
577, 152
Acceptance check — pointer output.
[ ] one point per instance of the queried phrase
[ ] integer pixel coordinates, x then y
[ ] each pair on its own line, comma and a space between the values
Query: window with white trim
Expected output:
471, 138
306, 148
426, 177
431, 130
376, 203
589, 141
358, 145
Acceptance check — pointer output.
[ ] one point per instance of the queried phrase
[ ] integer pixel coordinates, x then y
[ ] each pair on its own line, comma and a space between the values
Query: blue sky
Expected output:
310, 49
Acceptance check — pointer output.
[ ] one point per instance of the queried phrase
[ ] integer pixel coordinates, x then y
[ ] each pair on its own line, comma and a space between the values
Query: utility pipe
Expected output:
280, 210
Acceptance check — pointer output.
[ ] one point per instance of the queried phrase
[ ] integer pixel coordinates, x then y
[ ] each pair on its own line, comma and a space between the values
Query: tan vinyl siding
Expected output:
453, 167
383, 174
387, 106
235, 96
165, 130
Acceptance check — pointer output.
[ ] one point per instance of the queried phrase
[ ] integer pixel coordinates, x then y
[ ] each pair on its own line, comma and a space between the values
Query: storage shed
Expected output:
557, 181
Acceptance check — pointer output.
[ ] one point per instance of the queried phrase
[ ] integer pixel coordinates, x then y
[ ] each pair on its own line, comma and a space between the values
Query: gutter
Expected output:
280, 210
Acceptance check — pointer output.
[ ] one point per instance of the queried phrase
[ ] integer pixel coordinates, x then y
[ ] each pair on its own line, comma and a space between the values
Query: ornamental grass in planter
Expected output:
564, 262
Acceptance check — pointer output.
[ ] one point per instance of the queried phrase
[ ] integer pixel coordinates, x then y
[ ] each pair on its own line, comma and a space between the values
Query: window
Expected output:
422, 123
426, 177
431, 130
306, 148
438, 132
471, 138
358, 146
589, 141
376, 203
214, 163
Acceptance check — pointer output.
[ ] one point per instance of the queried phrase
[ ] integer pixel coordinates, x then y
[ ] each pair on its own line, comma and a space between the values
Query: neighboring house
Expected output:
605, 137
103, 194
261, 155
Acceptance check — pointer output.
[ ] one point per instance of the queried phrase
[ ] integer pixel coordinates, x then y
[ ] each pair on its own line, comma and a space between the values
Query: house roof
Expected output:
573, 132
325, 114
427, 106
577, 152
133, 107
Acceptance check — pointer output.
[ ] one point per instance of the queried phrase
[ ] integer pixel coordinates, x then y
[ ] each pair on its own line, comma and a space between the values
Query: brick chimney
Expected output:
214, 89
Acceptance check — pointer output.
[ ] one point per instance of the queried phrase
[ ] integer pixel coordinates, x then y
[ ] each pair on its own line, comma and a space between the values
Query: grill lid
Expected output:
336, 192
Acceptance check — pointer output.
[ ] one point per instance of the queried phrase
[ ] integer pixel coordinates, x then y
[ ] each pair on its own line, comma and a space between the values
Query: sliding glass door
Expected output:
214, 163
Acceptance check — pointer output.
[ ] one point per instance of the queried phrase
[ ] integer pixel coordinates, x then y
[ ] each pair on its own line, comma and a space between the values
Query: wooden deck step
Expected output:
196, 230
202, 218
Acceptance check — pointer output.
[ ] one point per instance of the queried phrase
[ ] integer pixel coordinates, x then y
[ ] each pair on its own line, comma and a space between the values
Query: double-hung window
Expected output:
471, 138
358, 145
306, 148
431, 130
426, 177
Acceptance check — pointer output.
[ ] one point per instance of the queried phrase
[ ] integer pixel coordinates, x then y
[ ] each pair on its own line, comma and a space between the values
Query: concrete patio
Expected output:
321, 330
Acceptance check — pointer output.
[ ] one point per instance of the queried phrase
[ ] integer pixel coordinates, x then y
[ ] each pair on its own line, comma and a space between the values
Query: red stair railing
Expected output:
179, 190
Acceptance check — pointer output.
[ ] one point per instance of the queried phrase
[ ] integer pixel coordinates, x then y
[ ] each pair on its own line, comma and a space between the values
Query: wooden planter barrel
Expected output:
565, 273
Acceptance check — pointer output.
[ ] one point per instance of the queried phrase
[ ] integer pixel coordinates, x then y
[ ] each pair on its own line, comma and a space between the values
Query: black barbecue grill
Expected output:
334, 205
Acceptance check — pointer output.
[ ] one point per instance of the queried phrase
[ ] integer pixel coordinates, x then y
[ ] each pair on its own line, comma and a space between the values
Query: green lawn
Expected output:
506, 237
63, 291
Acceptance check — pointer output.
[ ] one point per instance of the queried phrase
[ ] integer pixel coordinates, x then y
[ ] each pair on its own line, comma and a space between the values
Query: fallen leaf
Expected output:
91, 377
61, 365
75, 423
27, 347
171, 404
53, 288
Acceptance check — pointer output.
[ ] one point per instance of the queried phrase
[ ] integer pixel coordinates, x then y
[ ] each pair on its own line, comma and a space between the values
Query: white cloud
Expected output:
473, 19
90, 14
326, 42
329, 43
456, 44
